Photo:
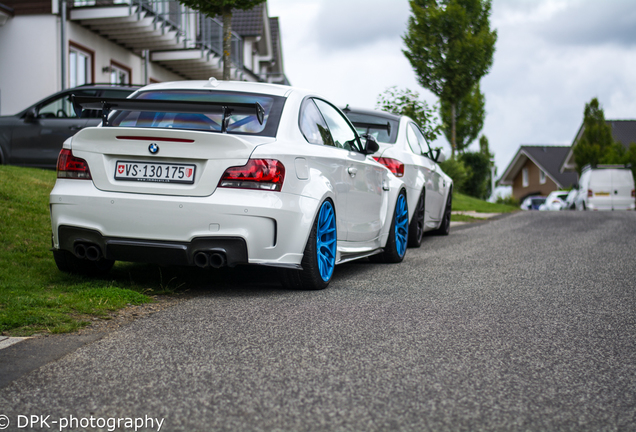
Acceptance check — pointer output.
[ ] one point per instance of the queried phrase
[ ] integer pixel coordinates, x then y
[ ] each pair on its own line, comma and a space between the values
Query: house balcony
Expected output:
136, 25
205, 58
179, 39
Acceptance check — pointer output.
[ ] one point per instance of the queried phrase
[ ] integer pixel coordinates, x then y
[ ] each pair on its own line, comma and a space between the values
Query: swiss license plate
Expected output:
154, 172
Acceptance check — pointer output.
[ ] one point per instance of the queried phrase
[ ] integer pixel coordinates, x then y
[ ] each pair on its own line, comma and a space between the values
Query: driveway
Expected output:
522, 323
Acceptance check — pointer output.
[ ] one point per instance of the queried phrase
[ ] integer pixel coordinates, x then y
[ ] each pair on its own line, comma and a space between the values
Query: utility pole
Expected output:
63, 42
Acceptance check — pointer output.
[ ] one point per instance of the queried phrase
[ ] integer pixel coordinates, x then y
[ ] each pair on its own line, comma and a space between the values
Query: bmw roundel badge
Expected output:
153, 148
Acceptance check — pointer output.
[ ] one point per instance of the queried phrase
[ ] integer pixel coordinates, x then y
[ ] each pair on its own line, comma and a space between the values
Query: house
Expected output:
50, 45
535, 170
623, 131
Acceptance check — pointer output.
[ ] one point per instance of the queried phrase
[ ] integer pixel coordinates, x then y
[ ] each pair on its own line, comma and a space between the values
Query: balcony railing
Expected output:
192, 27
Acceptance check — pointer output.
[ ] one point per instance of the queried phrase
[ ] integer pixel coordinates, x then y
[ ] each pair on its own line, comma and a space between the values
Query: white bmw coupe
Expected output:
405, 151
215, 173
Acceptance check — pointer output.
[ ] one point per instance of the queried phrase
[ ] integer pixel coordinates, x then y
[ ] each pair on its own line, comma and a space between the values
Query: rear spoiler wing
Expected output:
386, 126
105, 105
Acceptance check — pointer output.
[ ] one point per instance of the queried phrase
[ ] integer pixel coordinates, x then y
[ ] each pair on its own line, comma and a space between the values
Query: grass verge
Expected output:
463, 202
35, 297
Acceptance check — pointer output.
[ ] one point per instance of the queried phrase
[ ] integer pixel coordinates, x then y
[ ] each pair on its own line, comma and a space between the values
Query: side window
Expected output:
62, 106
412, 138
343, 135
422, 141
312, 125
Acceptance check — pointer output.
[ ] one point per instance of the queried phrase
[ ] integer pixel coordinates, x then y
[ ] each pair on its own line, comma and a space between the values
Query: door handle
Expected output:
385, 186
352, 171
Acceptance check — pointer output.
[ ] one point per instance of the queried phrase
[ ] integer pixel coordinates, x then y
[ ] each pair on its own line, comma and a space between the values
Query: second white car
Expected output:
405, 151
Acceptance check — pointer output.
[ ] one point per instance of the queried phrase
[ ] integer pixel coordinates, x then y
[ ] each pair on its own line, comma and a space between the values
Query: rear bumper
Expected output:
152, 251
272, 227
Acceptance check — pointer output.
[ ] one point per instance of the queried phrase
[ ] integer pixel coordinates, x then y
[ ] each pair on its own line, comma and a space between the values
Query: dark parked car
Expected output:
34, 136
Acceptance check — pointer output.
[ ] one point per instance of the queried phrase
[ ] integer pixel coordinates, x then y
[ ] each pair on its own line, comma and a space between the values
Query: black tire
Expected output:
309, 277
391, 254
416, 227
444, 227
69, 263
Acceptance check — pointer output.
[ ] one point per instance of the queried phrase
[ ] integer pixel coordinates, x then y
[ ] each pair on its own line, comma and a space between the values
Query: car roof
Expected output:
213, 84
382, 114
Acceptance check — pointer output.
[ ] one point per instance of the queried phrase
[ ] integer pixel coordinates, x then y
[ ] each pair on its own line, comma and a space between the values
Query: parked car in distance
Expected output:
532, 202
606, 187
221, 173
554, 201
34, 136
569, 203
405, 151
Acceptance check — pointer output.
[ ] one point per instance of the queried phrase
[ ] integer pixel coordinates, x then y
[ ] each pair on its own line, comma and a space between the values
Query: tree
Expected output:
477, 182
469, 118
450, 46
484, 147
596, 144
224, 9
407, 102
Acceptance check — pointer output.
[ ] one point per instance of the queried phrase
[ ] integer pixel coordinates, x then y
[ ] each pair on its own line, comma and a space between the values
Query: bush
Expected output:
456, 170
508, 200
477, 182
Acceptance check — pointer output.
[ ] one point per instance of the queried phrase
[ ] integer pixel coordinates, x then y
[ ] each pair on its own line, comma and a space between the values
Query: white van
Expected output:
606, 187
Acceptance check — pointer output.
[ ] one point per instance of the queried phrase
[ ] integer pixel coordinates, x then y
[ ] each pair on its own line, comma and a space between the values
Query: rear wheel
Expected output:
319, 258
69, 263
444, 227
395, 248
416, 227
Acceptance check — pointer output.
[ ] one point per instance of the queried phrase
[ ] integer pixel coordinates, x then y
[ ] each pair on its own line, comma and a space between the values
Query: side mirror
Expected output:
370, 145
31, 115
439, 155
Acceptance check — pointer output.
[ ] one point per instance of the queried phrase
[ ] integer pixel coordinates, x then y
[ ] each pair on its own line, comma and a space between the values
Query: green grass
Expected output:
35, 297
466, 203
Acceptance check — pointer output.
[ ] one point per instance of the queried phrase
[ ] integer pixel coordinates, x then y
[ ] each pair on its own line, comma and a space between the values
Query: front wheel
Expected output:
416, 227
444, 227
395, 248
319, 258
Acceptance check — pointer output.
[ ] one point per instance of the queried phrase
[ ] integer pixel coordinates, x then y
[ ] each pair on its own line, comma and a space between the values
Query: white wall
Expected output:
29, 61
105, 51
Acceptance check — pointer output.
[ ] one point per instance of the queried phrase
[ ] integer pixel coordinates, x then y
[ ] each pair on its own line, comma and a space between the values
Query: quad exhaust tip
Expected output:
214, 259
90, 252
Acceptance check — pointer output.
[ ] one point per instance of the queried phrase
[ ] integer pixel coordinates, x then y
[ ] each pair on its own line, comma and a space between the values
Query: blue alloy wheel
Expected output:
326, 241
401, 225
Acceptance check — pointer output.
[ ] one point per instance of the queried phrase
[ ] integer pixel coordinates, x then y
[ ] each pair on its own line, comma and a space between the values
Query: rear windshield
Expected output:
381, 128
241, 123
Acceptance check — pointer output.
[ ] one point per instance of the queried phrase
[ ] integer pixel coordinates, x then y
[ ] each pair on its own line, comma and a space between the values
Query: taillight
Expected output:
590, 194
267, 174
394, 165
71, 167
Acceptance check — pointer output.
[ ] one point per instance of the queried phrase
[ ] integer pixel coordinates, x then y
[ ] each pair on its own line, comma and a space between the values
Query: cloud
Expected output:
592, 24
345, 25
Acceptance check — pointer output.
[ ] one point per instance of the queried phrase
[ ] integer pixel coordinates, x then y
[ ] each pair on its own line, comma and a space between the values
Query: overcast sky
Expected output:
552, 56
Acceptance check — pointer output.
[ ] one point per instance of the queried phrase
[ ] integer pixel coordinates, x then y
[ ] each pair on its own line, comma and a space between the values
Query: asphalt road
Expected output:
524, 323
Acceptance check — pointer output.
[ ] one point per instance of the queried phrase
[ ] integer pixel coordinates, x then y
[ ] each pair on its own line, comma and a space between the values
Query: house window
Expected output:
524, 175
119, 74
541, 177
80, 66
